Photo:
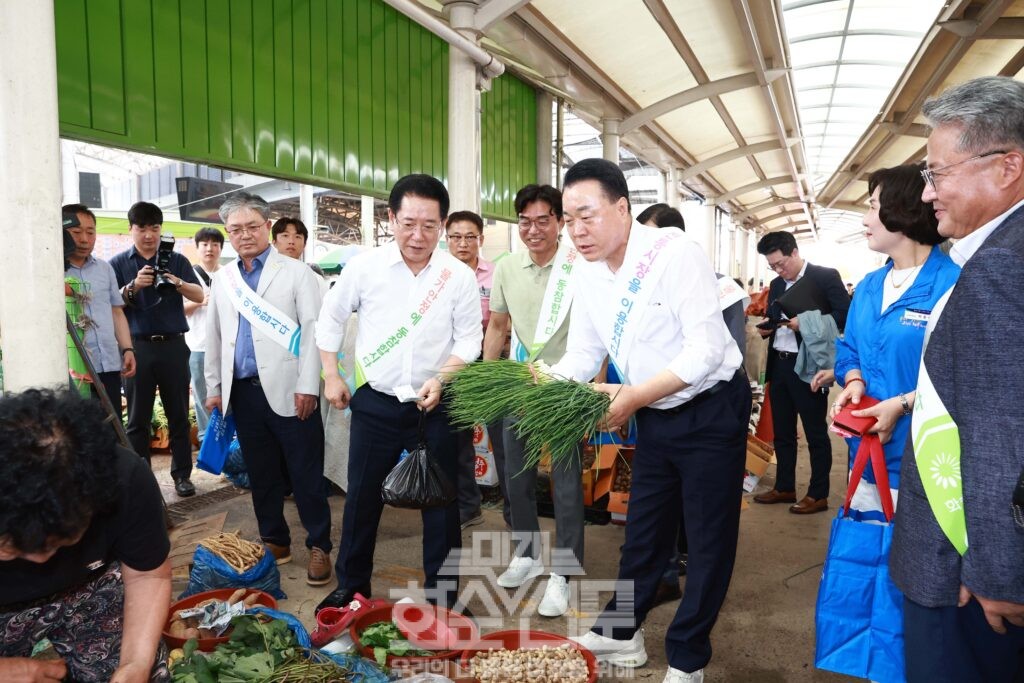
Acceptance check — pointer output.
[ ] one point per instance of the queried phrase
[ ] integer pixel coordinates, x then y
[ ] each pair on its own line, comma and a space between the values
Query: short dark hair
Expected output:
209, 235
663, 215
77, 209
465, 217
58, 467
899, 203
144, 213
315, 267
419, 185
281, 224
539, 193
777, 241
607, 174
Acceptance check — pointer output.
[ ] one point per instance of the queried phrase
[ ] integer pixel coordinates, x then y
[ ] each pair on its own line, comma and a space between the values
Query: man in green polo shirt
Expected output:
532, 294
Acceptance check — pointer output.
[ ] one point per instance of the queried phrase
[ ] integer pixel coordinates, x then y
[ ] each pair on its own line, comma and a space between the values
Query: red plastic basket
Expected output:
463, 628
516, 640
208, 644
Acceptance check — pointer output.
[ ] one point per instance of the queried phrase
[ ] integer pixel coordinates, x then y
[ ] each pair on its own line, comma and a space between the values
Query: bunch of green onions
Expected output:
554, 415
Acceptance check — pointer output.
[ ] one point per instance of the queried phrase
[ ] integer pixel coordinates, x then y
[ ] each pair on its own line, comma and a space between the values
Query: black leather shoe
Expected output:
184, 487
340, 597
667, 592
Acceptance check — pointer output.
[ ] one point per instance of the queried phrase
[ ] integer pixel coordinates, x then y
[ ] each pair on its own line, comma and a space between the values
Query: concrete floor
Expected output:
765, 633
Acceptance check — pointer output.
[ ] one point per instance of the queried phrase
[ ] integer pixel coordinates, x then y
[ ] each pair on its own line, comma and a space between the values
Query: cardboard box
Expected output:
759, 456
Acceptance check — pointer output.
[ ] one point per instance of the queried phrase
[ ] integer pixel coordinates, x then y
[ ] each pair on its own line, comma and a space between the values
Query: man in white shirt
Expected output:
209, 243
532, 293
419, 321
648, 299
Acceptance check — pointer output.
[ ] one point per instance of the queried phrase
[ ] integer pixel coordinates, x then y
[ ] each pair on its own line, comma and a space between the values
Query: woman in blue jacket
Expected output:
881, 350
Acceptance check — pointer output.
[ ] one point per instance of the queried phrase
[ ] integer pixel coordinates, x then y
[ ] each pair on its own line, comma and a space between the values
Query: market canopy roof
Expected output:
774, 109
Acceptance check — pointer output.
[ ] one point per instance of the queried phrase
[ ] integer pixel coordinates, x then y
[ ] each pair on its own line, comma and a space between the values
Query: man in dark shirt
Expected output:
157, 321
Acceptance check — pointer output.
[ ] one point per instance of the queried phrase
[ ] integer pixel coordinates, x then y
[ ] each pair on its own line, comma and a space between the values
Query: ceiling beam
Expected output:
848, 62
730, 155
1006, 28
681, 99
493, 11
750, 37
896, 33
771, 204
776, 216
739, 191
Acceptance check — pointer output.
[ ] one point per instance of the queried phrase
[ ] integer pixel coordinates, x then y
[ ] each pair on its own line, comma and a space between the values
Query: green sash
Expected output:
937, 452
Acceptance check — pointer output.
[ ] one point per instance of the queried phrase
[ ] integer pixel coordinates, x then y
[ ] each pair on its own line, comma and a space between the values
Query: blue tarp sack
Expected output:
859, 616
210, 572
216, 442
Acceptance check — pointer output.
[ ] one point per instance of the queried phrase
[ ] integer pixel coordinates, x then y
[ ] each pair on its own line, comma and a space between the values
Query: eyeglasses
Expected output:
463, 238
778, 265
542, 222
246, 229
427, 229
931, 175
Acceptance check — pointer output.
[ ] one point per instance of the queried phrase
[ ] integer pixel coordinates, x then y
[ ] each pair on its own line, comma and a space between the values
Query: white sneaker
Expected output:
679, 676
520, 570
556, 597
627, 653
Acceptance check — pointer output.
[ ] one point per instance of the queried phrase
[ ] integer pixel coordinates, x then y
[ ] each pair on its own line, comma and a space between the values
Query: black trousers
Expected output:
791, 396
692, 458
956, 644
271, 443
161, 365
112, 384
381, 428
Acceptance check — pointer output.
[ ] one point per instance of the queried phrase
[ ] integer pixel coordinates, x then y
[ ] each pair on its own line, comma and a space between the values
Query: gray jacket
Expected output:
818, 350
974, 359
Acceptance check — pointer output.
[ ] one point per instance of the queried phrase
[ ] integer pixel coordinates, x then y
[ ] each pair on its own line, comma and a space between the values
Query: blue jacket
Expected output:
886, 346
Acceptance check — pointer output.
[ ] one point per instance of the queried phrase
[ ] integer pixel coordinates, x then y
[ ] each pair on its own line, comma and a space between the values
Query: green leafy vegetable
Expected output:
385, 639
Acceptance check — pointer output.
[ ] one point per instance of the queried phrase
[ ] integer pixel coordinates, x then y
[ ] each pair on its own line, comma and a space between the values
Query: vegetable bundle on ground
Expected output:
552, 414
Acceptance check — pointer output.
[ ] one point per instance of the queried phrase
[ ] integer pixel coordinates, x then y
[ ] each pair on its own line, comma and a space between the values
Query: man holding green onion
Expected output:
531, 295
647, 298
419, 320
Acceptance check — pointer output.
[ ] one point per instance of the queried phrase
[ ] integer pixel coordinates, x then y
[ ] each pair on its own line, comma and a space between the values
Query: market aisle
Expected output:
766, 630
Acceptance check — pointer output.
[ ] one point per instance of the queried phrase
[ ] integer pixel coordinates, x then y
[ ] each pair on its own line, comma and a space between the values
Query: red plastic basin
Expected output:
516, 640
208, 644
426, 623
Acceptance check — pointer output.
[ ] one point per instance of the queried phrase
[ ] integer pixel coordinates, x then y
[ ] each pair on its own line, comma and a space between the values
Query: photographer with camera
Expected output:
154, 279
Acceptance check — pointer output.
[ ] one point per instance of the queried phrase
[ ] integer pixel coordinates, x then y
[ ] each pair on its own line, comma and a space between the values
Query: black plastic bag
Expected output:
417, 482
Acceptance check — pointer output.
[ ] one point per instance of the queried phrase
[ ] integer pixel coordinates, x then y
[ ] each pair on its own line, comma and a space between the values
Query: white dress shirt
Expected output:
682, 329
785, 338
379, 286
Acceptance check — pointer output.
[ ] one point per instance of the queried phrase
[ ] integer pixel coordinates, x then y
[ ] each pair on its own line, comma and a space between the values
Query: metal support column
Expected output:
32, 322
463, 114
308, 215
544, 137
610, 139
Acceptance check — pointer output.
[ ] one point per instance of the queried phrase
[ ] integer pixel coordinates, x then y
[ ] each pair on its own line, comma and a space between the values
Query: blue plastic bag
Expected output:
216, 442
210, 572
234, 468
859, 615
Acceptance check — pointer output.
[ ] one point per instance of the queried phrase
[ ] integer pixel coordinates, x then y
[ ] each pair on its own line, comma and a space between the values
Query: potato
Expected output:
177, 628
174, 655
190, 633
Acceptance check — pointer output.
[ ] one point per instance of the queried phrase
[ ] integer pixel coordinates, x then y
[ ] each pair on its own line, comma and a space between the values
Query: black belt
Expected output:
699, 398
784, 354
158, 337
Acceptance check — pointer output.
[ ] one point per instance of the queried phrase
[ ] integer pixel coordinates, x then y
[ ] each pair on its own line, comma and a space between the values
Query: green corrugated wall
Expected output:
338, 93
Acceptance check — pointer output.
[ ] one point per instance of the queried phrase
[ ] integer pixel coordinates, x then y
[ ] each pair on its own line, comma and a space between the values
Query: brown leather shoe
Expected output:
282, 553
808, 506
773, 496
319, 571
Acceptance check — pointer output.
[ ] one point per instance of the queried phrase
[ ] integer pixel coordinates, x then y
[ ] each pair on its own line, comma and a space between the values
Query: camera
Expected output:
163, 262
